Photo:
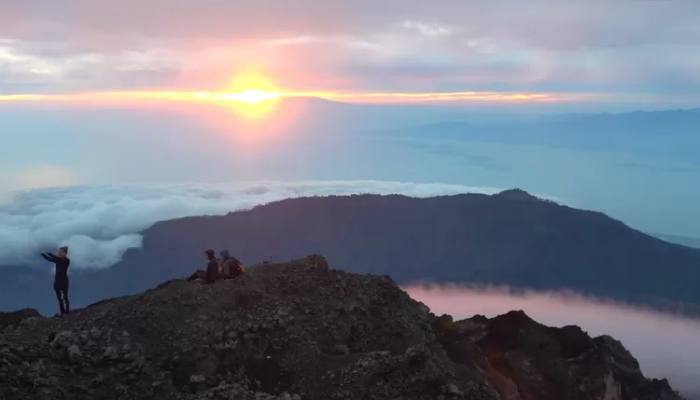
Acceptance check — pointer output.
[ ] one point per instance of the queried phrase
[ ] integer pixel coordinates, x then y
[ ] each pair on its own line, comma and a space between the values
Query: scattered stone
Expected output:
29, 321
63, 340
74, 353
341, 349
95, 333
15, 318
453, 389
111, 353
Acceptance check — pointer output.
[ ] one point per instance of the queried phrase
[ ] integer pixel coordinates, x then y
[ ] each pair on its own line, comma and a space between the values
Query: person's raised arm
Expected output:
49, 256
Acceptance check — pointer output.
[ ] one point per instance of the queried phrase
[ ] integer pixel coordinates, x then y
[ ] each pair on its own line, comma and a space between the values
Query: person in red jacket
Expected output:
60, 280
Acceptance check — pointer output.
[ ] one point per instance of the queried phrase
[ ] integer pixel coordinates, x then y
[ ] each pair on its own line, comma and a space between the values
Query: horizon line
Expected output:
254, 96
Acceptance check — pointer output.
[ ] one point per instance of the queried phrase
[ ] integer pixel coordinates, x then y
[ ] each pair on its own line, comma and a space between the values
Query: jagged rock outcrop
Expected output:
525, 360
302, 331
17, 317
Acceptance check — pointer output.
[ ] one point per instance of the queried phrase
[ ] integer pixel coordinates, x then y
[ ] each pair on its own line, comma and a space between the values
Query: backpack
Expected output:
232, 267
240, 266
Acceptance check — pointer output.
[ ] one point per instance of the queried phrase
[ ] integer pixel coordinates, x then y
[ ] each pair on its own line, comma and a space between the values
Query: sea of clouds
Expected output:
100, 222
666, 346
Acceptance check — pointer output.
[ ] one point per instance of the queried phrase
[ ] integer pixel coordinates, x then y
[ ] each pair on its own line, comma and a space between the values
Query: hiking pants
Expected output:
198, 274
62, 296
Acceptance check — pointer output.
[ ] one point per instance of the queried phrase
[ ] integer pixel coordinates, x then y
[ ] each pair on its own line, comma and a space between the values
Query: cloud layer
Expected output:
100, 223
403, 45
665, 346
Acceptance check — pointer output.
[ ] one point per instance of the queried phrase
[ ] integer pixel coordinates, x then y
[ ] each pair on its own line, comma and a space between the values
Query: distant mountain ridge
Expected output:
683, 240
511, 238
692, 112
670, 134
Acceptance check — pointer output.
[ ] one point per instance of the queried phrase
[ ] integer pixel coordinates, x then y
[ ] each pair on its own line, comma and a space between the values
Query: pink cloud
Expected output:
573, 24
378, 46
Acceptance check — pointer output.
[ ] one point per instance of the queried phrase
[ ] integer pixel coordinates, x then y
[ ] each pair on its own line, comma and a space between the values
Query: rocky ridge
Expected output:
300, 330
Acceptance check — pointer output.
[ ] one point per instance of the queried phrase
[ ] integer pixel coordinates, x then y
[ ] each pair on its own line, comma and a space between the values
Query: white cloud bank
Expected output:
665, 346
100, 223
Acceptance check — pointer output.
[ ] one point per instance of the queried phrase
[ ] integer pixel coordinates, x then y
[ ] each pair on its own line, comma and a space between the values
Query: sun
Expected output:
251, 96
251, 89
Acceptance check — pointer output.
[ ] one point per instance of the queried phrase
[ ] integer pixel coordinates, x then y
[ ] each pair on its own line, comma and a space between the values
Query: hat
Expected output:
64, 248
209, 252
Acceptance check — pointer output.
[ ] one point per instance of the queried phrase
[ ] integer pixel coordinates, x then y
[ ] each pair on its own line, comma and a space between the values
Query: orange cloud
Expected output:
449, 96
254, 95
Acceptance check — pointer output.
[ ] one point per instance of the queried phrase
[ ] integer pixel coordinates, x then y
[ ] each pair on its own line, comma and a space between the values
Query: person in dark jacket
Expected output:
60, 280
212, 273
209, 275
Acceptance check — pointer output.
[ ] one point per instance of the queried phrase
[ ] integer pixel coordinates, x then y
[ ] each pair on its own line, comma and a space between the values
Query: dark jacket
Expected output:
212, 271
60, 280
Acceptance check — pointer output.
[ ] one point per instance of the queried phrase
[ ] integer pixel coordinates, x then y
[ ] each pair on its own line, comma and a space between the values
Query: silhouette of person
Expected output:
60, 280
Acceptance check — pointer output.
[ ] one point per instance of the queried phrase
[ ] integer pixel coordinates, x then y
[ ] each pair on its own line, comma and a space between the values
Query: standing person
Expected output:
60, 280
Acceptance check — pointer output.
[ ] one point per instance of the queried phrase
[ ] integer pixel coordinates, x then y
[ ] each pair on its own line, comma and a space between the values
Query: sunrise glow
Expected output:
253, 96
250, 96
250, 89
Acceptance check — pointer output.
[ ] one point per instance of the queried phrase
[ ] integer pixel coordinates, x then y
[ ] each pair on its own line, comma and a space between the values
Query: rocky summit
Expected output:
300, 330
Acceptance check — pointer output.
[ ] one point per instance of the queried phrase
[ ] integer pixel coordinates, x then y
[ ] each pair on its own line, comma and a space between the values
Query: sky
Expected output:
631, 50
158, 94
117, 114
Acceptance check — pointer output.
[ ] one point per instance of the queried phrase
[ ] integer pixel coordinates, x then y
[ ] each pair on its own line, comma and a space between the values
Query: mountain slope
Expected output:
511, 238
302, 331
